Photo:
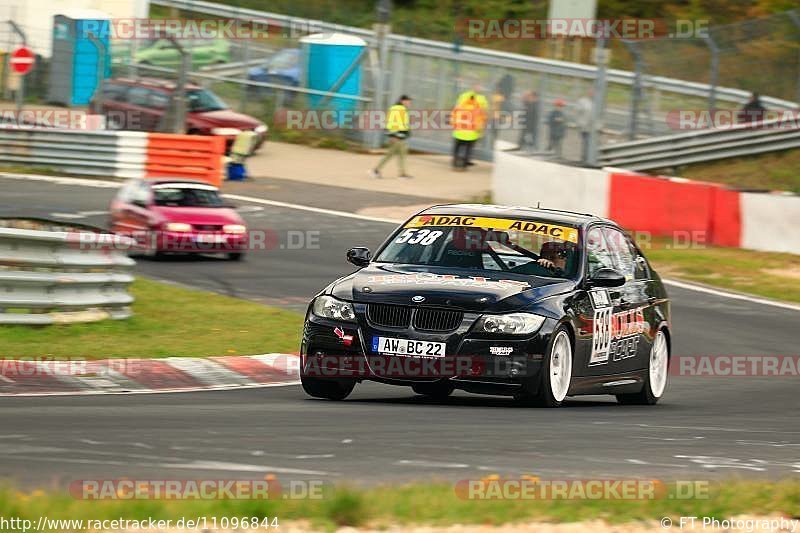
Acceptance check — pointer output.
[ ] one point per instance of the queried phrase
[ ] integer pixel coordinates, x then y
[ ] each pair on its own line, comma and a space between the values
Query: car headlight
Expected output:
225, 131
510, 324
234, 228
330, 307
177, 226
260, 129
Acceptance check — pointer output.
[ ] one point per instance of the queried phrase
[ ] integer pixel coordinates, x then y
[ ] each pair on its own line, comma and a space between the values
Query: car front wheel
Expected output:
329, 389
556, 374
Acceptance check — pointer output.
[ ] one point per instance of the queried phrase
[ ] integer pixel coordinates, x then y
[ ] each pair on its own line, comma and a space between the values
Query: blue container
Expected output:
75, 66
236, 172
327, 57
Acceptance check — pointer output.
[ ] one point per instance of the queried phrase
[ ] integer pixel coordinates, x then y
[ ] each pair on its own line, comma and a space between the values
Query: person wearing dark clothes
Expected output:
529, 131
753, 110
557, 124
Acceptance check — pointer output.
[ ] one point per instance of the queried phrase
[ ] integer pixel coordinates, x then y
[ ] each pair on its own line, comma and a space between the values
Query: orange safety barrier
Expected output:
185, 156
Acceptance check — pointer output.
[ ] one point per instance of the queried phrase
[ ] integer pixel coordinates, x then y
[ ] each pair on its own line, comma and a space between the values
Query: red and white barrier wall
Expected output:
119, 154
661, 206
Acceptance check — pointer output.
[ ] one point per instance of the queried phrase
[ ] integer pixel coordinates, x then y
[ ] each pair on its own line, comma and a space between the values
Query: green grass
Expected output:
773, 275
435, 504
168, 321
774, 171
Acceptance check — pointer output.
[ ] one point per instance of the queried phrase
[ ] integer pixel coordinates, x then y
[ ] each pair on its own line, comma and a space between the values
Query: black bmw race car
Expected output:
535, 303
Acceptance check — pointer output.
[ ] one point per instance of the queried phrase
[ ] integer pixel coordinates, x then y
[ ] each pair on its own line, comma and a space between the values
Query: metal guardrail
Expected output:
48, 277
95, 153
111, 153
232, 68
707, 145
476, 55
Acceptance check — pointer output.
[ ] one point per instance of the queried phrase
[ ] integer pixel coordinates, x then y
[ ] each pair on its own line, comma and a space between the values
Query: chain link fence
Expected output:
264, 78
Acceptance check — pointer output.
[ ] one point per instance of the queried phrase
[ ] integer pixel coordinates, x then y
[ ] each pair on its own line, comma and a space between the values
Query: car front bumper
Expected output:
475, 362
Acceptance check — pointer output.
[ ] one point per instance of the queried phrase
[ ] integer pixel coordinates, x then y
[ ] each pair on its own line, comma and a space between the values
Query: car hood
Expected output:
463, 289
198, 215
226, 118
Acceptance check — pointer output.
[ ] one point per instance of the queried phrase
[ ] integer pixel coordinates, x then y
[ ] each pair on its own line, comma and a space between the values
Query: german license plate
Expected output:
389, 345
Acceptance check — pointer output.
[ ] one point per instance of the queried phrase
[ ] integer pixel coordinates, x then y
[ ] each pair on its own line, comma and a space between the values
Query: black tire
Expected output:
329, 389
544, 396
236, 256
434, 389
647, 396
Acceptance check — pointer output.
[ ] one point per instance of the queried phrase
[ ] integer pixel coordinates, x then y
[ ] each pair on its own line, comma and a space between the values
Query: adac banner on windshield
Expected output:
545, 229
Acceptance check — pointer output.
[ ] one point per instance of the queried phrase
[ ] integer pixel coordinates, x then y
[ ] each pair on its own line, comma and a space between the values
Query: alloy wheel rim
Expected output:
560, 366
658, 365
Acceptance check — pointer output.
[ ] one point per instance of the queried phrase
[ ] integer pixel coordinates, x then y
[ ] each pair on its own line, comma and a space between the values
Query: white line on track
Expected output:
299, 207
732, 295
332, 212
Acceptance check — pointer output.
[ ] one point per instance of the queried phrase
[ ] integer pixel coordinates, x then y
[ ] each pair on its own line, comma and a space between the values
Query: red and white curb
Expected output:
73, 376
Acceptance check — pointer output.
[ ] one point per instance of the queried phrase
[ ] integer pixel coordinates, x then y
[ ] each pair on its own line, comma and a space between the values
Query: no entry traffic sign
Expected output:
22, 60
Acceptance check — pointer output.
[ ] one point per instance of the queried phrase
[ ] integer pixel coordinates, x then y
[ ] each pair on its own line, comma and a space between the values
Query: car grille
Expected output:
390, 316
437, 319
399, 316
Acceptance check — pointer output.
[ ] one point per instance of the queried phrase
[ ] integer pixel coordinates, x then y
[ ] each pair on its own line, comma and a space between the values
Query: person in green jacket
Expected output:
398, 129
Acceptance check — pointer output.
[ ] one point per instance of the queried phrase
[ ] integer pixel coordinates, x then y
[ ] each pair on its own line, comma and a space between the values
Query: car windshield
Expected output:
181, 196
528, 247
203, 100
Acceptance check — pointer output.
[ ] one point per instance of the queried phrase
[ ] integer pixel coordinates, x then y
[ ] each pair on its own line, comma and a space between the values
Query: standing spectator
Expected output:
529, 132
583, 118
468, 119
557, 124
470, 105
398, 129
753, 111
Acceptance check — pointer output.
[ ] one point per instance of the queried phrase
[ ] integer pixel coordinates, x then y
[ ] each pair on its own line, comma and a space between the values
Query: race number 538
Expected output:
601, 335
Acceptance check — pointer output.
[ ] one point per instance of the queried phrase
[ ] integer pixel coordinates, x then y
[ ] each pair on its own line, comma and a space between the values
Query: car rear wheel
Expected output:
435, 389
236, 256
556, 375
657, 372
330, 389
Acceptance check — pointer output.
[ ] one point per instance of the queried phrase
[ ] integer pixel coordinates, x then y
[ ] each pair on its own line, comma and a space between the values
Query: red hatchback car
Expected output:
177, 215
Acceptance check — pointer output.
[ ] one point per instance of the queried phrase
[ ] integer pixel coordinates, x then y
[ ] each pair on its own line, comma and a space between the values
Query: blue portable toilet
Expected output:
75, 64
327, 56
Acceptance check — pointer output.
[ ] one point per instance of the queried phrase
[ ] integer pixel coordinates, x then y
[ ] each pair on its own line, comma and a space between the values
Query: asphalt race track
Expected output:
705, 427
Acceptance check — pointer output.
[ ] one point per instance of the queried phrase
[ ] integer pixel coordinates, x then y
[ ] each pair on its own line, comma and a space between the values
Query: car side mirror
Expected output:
359, 256
606, 277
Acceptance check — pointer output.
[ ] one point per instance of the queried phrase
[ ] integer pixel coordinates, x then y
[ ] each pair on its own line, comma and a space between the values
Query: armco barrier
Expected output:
659, 205
51, 277
120, 154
